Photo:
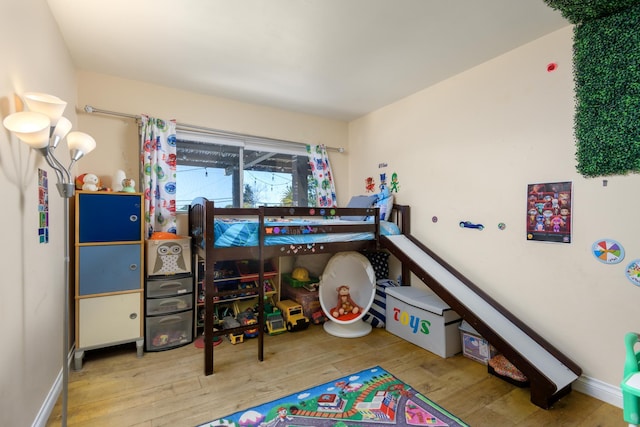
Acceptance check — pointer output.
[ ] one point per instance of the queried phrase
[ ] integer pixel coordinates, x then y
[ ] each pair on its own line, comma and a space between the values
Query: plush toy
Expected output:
385, 203
345, 304
90, 182
128, 185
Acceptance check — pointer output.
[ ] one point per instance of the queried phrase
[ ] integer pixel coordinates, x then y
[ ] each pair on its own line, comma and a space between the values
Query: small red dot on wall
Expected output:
552, 67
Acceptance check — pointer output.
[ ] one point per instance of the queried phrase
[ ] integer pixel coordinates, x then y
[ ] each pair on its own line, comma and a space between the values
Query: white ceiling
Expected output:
334, 58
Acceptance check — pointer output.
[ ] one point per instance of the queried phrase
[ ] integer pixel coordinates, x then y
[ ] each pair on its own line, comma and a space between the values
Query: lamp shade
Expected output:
31, 128
62, 129
80, 144
49, 105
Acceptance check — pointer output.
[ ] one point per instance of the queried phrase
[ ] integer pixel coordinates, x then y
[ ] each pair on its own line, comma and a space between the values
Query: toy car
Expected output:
469, 224
294, 318
274, 323
318, 317
229, 322
247, 317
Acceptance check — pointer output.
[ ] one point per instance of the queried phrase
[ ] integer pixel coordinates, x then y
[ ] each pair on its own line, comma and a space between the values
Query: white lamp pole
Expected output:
42, 128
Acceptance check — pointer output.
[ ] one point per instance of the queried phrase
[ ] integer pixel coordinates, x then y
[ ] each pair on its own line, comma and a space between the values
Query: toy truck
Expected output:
230, 322
294, 318
274, 322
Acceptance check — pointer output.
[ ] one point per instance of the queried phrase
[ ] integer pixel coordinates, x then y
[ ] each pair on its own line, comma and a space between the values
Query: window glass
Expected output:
212, 170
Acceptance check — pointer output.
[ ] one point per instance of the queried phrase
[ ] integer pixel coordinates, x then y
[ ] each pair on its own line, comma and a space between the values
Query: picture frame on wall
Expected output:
549, 212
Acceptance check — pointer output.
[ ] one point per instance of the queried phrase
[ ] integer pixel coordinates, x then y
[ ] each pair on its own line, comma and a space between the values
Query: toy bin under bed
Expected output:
355, 271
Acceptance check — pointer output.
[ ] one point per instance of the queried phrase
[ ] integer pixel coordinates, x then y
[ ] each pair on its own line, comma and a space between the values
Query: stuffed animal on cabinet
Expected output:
90, 182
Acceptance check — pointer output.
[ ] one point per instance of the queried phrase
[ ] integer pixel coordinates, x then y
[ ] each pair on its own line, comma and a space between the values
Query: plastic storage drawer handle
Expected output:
170, 285
171, 319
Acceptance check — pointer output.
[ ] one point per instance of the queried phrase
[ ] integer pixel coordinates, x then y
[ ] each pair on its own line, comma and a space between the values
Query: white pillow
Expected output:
360, 202
385, 203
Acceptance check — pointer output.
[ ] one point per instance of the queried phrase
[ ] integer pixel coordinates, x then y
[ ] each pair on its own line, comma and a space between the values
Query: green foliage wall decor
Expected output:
606, 53
577, 11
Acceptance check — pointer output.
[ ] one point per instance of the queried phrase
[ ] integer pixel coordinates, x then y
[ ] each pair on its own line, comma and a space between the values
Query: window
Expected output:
236, 171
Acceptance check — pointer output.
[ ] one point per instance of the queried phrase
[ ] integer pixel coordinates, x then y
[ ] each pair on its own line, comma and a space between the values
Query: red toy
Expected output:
345, 304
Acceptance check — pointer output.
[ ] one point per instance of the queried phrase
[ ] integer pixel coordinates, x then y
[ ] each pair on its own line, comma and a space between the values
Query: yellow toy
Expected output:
301, 274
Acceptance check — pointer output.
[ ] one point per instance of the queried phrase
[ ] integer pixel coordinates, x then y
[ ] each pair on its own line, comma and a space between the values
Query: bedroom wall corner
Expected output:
33, 273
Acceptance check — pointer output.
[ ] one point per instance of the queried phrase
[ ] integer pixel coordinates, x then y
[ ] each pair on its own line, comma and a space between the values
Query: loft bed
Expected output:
264, 233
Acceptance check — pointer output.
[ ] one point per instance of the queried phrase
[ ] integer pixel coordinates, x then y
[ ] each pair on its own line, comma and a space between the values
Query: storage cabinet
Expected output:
109, 260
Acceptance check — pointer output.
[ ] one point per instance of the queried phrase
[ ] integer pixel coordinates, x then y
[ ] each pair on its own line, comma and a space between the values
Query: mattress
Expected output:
243, 233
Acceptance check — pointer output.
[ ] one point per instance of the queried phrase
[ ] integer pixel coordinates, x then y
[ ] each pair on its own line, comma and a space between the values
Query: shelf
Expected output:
235, 291
235, 283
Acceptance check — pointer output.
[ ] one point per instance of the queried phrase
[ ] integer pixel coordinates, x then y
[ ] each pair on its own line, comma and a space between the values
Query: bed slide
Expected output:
550, 372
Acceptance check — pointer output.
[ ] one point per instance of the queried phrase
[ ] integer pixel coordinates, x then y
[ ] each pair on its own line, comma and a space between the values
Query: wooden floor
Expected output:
169, 388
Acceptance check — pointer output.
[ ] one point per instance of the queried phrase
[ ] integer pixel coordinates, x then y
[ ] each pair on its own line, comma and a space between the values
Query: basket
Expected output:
298, 283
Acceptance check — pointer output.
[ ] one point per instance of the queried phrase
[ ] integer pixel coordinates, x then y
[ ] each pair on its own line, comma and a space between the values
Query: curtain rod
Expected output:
181, 126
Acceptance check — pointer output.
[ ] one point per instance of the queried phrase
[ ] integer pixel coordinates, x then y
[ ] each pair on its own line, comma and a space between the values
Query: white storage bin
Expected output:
424, 319
474, 346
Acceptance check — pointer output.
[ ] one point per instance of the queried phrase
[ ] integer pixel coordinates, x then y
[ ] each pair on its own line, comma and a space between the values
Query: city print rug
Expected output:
372, 397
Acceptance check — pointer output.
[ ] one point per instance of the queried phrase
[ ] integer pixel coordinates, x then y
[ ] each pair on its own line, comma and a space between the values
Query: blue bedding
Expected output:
235, 232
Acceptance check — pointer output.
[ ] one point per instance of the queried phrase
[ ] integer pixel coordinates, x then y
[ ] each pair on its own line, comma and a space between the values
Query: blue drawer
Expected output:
109, 217
109, 268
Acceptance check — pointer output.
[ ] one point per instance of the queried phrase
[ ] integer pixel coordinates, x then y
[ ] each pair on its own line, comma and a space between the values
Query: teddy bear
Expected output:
345, 304
90, 182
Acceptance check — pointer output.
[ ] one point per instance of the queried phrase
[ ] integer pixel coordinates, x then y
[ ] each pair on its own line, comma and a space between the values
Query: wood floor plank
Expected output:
169, 388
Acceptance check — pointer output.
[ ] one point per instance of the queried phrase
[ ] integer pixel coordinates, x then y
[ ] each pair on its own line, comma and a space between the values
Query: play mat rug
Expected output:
372, 397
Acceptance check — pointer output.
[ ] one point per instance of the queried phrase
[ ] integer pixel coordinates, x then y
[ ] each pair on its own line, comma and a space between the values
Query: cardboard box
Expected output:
168, 256
474, 346
308, 299
423, 319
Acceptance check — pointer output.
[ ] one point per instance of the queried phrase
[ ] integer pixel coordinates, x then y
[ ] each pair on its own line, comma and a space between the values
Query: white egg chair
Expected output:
355, 271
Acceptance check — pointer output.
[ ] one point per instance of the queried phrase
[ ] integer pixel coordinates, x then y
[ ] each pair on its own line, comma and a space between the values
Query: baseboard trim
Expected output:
52, 397
47, 406
599, 390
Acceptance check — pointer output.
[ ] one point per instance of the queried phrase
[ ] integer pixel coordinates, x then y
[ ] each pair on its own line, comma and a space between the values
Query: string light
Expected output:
286, 181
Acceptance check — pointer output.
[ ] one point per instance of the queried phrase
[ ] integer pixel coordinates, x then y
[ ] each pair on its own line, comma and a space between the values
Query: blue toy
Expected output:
469, 224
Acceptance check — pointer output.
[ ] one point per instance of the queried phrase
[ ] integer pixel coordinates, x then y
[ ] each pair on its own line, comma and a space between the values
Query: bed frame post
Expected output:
209, 289
403, 221
261, 315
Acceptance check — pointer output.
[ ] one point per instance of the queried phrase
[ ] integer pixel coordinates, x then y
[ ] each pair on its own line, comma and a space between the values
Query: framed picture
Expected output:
549, 212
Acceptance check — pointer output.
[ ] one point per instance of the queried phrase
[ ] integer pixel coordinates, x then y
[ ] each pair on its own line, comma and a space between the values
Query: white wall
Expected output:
33, 58
466, 149
118, 141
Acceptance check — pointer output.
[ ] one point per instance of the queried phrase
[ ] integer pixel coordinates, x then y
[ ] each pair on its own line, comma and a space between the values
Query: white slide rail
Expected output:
525, 345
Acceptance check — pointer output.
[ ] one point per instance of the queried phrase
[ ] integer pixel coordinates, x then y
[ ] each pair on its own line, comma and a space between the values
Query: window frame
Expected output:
247, 144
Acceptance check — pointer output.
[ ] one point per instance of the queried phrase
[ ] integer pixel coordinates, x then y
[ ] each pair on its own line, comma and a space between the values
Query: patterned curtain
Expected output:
158, 159
322, 176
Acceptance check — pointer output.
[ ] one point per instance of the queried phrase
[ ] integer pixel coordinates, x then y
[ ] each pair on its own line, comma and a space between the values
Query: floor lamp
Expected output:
42, 128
